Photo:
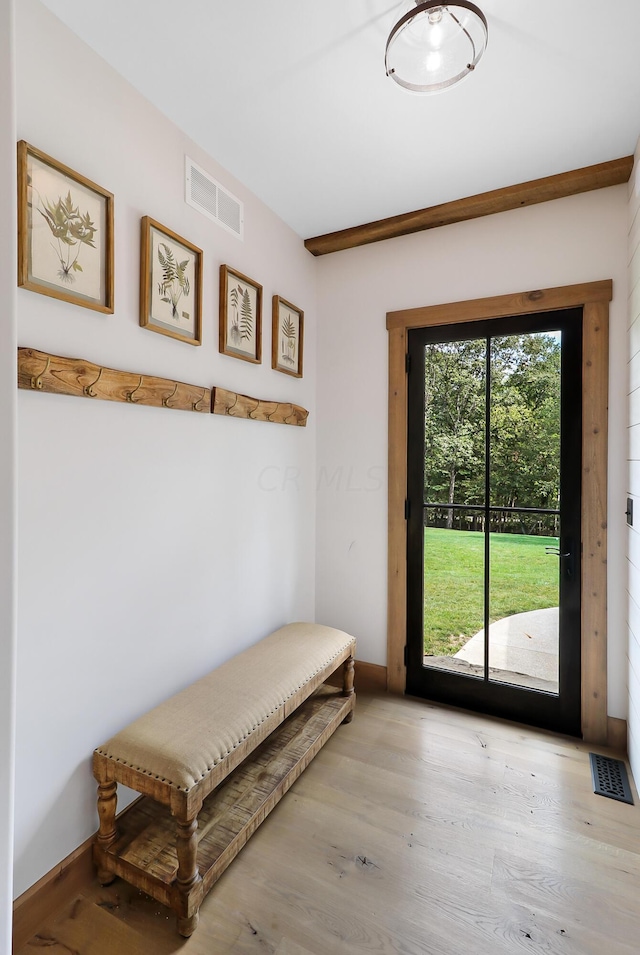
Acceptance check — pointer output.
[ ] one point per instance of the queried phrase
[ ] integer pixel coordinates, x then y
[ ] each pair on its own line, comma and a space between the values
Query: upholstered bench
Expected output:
213, 760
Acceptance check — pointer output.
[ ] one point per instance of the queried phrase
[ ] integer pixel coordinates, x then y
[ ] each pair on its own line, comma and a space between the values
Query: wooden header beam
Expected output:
603, 174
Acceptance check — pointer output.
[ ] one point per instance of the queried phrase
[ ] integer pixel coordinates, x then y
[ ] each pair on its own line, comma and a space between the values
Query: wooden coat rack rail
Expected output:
41, 371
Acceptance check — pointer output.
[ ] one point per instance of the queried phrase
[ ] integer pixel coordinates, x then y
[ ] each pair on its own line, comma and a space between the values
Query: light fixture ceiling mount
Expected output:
435, 45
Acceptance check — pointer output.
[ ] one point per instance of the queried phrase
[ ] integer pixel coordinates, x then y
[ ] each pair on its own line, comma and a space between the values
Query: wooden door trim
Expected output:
501, 306
594, 299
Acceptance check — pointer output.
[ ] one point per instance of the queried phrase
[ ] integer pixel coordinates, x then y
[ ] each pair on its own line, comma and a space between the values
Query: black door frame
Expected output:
597, 727
558, 712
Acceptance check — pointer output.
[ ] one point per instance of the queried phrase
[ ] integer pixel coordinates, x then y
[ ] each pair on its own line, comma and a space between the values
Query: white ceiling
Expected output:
291, 96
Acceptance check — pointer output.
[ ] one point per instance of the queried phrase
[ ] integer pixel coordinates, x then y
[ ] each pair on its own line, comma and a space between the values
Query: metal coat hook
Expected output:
167, 398
88, 389
130, 394
194, 405
36, 382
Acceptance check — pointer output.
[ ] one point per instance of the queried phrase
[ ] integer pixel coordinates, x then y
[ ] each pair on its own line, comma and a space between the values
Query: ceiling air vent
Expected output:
210, 198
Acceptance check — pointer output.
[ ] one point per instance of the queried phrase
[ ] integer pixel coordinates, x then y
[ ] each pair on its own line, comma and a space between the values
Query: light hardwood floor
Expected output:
418, 830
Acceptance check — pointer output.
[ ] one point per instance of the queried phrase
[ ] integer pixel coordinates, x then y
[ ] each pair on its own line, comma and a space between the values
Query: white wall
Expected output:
578, 239
153, 544
633, 486
7, 467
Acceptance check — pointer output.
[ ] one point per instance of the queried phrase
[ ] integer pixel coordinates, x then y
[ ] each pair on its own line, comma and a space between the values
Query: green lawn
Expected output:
522, 578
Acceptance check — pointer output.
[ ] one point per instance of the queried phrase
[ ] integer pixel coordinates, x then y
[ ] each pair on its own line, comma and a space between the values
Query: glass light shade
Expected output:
434, 45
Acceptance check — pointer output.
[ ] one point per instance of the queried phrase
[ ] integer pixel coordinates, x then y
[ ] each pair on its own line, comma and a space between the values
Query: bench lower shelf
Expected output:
144, 853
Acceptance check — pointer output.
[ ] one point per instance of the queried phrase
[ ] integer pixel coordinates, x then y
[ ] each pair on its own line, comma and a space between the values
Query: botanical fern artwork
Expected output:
241, 313
287, 328
171, 294
288, 341
71, 230
65, 246
240, 316
174, 283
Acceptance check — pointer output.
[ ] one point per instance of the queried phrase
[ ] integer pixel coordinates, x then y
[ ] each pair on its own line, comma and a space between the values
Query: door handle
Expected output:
555, 552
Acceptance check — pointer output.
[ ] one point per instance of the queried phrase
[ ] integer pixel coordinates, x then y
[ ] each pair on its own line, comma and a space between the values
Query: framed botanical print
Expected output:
287, 337
240, 316
170, 283
65, 232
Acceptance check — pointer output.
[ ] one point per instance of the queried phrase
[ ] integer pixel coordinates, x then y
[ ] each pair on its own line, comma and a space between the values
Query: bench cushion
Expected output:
184, 738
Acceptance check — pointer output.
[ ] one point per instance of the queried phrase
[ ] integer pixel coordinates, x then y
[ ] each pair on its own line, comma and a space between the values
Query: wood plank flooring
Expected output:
417, 830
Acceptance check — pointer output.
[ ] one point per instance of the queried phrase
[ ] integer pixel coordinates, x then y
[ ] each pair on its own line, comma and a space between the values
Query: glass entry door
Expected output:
494, 467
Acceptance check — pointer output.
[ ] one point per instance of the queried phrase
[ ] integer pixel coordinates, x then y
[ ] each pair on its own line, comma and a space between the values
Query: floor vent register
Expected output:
610, 778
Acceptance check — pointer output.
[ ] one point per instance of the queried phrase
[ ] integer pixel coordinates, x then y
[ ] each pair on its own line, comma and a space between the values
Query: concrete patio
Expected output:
523, 650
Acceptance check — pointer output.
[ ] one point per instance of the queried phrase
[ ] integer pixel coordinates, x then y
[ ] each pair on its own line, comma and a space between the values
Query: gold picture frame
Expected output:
240, 334
65, 232
287, 337
170, 283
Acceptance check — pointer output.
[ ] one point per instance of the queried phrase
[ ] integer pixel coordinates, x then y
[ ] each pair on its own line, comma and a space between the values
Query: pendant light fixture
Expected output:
435, 45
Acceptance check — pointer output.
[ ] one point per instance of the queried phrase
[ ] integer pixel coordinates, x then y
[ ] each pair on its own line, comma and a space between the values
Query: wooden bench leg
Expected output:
189, 880
347, 684
107, 833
